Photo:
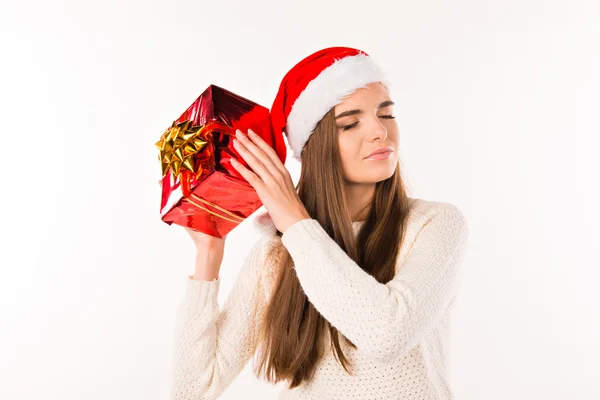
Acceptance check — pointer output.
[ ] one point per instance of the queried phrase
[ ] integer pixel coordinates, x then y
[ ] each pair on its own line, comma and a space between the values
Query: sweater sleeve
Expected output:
384, 321
211, 347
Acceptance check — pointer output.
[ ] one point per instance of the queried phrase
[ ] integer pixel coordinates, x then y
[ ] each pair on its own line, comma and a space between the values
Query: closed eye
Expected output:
348, 127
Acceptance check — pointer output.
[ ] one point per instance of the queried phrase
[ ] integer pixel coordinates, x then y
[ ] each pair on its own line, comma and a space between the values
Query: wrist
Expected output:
296, 219
209, 244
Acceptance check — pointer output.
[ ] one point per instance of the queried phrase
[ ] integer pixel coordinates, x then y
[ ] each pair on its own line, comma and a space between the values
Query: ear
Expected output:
264, 223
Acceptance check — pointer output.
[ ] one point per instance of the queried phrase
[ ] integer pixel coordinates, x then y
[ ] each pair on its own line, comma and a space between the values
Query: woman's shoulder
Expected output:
423, 211
425, 207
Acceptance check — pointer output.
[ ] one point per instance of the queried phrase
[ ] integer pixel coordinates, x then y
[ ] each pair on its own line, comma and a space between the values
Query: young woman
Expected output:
347, 294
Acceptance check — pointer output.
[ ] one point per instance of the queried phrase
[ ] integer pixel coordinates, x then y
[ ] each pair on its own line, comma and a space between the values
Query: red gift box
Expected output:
200, 187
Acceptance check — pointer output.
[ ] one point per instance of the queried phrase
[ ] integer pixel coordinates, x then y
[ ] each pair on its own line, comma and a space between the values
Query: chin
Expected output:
389, 173
375, 177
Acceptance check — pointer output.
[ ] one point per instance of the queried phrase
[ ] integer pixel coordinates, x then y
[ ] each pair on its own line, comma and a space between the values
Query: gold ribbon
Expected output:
236, 218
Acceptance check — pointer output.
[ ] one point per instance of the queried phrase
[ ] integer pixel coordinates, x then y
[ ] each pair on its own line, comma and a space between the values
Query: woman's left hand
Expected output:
270, 179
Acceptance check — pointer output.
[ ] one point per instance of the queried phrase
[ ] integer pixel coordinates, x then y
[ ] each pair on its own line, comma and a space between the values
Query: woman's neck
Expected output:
359, 197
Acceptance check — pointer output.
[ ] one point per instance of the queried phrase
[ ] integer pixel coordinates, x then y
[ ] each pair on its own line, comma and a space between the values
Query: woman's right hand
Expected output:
209, 254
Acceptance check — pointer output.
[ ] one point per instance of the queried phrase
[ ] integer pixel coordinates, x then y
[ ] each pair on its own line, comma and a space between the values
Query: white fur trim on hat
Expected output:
326, 91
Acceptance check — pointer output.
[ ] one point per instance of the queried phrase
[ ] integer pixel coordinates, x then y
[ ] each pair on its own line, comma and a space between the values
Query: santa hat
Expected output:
317, 84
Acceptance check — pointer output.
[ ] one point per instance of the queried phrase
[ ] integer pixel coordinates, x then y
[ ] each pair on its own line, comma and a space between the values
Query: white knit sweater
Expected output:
400, 328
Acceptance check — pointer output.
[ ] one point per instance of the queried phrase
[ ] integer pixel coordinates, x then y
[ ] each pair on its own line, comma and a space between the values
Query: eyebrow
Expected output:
354, 112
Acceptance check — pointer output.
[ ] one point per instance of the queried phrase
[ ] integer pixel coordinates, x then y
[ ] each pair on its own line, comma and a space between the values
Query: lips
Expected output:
382, 150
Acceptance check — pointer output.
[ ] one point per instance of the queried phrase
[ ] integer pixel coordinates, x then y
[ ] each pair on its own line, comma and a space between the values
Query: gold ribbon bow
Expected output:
179, 146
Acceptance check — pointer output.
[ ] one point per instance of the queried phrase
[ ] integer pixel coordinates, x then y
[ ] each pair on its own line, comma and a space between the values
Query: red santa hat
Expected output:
317, 84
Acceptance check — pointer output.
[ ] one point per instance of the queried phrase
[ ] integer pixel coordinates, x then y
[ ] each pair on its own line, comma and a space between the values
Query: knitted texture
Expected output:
400, 328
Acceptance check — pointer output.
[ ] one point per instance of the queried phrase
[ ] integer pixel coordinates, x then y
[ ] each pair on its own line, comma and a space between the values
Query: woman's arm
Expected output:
211, 347
383, 320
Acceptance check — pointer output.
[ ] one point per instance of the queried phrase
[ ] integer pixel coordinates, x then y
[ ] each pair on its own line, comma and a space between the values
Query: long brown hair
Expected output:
291, 333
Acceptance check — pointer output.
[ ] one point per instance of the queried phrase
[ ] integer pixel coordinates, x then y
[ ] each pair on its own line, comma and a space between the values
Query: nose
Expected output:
378, 131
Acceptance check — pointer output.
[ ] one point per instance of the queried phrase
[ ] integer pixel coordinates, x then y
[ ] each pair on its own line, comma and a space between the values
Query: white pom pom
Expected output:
265, 224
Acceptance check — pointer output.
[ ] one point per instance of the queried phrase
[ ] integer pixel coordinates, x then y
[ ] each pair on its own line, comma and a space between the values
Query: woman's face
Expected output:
365, 122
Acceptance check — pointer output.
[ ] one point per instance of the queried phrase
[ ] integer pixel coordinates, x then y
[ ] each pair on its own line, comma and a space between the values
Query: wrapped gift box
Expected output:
200, 187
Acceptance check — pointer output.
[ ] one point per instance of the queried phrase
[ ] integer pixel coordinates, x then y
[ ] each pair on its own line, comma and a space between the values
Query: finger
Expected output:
255, 158
248, 175
268, 150
255, 150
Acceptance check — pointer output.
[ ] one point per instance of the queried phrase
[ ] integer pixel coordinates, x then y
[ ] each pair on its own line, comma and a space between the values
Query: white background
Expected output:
497, 103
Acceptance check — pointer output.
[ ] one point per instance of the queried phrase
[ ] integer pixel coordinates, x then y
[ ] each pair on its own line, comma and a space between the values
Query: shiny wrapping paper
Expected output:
200, 187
